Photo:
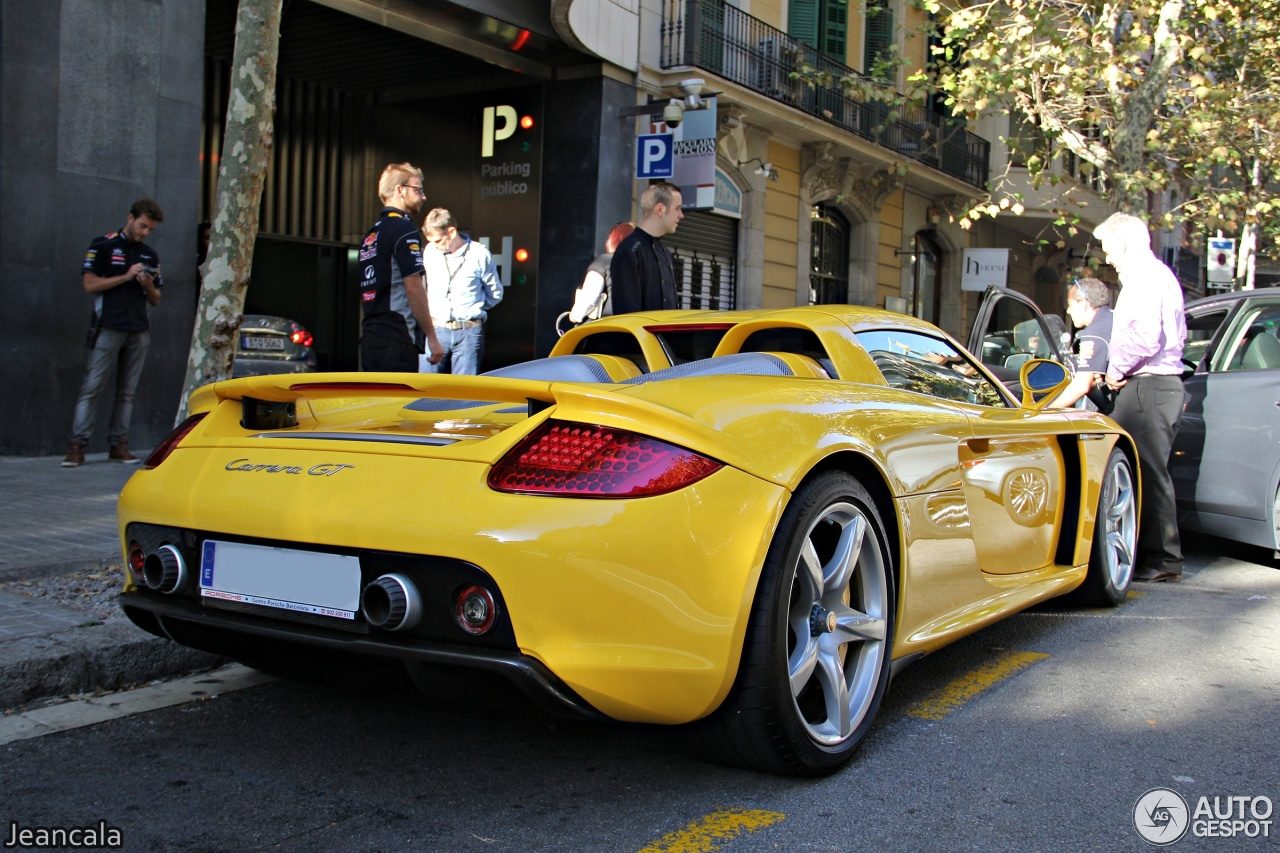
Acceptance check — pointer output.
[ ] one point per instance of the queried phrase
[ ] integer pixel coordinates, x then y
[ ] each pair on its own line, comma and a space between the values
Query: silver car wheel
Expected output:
1120, 526
837, 624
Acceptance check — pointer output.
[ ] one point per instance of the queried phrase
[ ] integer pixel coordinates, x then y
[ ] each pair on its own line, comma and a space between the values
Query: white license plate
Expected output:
301, 581
259, 342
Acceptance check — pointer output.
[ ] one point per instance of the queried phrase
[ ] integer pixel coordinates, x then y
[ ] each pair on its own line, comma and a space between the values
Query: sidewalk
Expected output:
56, 521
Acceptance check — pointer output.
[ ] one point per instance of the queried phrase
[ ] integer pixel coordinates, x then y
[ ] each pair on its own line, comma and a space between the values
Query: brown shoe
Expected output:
75, 455
120, 453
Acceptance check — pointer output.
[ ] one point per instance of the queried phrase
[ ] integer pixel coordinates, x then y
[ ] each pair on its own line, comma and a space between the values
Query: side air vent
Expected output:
264, 414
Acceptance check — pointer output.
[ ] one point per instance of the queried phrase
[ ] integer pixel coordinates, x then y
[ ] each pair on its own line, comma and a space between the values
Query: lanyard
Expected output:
462, 259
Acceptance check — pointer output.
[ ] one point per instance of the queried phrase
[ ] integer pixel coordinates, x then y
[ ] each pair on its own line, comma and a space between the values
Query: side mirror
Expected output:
1041, 381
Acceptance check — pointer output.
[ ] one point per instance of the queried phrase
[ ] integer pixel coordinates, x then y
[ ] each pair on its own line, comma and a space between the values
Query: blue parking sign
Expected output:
655, 156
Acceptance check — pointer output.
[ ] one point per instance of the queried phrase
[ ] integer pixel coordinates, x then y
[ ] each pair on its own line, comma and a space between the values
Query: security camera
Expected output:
692, 89
673, 113
692, 86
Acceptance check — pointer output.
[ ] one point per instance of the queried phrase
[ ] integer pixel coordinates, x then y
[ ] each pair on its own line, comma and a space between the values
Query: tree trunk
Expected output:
1139, 111
242, 172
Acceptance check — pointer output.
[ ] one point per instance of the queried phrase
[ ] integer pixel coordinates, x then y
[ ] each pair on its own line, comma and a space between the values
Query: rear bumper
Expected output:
188, 620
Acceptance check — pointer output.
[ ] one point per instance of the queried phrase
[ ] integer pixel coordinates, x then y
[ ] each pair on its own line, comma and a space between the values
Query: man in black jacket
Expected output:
393, 293
642, 274
122, 273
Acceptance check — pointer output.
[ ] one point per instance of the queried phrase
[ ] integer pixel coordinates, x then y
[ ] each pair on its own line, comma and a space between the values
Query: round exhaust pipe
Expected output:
392, 603
164, 569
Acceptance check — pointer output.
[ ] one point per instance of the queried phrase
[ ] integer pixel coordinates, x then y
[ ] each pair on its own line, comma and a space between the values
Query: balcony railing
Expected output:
727, 42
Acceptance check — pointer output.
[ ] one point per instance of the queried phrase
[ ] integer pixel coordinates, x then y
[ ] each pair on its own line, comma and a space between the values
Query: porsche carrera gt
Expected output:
742, 522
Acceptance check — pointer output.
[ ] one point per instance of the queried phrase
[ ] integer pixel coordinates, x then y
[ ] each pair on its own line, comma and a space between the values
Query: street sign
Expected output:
983, 267
1220, 260
655, 157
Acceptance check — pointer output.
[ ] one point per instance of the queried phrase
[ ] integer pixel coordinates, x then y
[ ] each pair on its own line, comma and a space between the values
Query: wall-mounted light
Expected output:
764, 168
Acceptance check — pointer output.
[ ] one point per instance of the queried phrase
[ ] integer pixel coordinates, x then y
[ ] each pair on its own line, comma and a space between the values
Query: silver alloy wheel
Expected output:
837, 624
1120, 522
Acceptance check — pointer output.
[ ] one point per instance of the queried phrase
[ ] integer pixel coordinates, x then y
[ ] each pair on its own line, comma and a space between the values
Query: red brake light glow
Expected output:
302, 337
588, 461
164, 448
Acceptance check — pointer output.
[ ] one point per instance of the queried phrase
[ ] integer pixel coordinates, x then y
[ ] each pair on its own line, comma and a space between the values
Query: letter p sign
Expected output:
655, 157
491, 133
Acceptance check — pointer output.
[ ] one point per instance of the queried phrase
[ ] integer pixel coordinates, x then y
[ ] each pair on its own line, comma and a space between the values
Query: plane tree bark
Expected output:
242, 172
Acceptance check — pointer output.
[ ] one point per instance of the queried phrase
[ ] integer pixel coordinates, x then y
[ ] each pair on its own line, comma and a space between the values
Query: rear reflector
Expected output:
583, 460
164, 448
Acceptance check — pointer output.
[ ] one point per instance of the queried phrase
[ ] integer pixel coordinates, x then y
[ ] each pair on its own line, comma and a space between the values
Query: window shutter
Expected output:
879, 33
835, 28
802, 21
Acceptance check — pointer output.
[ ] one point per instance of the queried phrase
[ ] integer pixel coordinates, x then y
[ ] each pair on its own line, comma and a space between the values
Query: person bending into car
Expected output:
1089, 307
123, 275
1147, 338
393, 294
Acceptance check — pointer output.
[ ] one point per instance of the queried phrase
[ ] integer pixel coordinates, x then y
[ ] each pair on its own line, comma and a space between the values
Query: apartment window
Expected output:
877, 45
1024, 139
823, 24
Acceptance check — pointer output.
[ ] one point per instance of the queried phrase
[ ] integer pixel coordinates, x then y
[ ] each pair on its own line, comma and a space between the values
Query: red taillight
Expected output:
136, 559
583, 460
302, 337
164, 448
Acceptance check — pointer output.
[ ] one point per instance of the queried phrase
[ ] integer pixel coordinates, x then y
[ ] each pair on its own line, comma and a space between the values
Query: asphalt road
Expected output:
1040, 733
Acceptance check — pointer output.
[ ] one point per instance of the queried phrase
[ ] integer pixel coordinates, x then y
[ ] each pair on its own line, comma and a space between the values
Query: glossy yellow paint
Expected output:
953, 695
641, 605
644, 629
714, 831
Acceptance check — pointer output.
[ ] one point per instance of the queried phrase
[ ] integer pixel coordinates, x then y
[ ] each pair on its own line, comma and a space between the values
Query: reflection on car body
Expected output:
747, 543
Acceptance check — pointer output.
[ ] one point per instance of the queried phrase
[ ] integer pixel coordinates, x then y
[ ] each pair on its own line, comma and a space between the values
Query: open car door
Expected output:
1010, 330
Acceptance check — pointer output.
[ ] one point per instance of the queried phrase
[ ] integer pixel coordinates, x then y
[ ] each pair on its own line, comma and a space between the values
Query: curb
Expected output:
91, 658
64, 567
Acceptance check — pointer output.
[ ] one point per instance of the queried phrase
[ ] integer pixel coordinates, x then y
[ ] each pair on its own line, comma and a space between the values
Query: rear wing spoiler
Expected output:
294, 387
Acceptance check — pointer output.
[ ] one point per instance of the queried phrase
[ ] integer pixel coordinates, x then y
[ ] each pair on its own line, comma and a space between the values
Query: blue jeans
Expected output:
463, 350
125, 353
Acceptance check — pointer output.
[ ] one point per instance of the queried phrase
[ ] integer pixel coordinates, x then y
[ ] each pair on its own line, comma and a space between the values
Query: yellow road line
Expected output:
713, 831
949, 697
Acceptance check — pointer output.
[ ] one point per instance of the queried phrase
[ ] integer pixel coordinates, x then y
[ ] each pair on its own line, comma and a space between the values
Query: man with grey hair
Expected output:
1089, 307
1148, 333
642, 273
462, 288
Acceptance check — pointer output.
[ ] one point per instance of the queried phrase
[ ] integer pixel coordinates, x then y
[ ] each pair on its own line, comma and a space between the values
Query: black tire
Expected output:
822, 620
1115, 536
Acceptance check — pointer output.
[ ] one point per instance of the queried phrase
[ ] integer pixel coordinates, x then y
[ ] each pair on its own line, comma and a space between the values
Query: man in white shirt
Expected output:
462, 287
1148, 334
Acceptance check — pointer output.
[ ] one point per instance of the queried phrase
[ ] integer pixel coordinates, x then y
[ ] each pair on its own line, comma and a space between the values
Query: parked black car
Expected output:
269, 344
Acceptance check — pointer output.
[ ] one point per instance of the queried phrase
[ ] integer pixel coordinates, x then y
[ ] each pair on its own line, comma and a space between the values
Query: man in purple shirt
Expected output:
1147, 337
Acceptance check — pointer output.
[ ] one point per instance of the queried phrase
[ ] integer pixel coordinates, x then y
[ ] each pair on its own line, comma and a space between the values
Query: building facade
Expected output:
524, 116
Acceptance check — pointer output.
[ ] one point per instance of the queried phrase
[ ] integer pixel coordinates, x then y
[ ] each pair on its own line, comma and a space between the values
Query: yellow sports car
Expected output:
743, 521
